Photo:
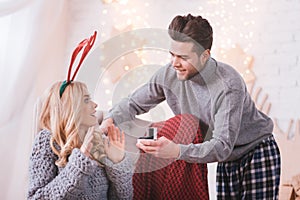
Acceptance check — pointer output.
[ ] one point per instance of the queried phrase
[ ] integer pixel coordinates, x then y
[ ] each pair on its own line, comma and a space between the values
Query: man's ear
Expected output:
204, 56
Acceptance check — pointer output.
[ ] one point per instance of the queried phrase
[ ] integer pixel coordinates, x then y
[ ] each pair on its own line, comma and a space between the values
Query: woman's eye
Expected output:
87, 100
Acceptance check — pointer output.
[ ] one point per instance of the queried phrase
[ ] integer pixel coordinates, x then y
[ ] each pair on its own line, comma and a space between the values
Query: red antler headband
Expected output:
88, 43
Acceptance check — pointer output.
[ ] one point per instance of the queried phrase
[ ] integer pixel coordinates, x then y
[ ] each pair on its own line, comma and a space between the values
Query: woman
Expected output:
70, 160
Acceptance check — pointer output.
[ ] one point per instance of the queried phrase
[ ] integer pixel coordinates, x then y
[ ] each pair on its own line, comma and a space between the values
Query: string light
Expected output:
126, 68
124, 15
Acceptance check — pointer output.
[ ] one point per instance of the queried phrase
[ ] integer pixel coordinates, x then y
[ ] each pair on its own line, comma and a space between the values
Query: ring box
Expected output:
151, 134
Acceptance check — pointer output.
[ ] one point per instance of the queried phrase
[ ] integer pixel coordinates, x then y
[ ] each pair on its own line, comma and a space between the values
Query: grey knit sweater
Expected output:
81, 178
218, 96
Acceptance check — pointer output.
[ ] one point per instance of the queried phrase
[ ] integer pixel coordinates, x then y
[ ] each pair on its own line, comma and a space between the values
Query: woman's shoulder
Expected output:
43, 136
42, 141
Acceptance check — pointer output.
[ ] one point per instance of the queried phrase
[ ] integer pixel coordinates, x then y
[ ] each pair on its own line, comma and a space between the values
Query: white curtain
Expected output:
32, 56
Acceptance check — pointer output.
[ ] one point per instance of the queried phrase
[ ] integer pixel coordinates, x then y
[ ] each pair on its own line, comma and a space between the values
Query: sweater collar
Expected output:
209, 69
204, 75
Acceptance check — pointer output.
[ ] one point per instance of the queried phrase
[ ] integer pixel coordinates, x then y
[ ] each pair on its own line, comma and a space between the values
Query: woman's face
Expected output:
88, 112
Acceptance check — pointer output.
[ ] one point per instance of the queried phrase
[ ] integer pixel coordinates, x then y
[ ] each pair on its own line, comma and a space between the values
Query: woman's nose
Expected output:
95, 105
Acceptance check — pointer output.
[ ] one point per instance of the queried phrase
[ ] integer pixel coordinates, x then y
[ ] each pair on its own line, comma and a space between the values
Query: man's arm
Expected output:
139, 102
226, 129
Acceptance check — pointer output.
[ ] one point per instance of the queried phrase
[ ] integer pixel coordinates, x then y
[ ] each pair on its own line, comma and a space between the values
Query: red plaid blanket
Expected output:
158, 178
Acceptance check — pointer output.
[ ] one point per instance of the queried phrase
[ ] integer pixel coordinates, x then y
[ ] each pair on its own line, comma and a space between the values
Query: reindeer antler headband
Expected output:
87, 44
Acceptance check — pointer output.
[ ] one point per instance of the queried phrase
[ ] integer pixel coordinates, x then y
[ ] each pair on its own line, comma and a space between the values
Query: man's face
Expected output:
184, 59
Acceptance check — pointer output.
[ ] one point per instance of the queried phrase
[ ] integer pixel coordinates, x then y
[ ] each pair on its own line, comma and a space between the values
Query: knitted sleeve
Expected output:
44, 180
120, 176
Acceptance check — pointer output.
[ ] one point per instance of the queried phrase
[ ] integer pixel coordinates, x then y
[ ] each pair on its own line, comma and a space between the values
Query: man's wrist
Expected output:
177, 151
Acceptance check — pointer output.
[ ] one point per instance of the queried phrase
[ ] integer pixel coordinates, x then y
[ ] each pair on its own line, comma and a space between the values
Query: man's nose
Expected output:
175, 61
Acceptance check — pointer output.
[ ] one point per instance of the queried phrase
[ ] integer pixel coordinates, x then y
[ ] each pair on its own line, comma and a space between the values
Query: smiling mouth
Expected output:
180, 71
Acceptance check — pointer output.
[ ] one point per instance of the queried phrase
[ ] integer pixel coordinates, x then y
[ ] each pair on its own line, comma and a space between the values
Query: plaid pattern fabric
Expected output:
255, 176
158, 178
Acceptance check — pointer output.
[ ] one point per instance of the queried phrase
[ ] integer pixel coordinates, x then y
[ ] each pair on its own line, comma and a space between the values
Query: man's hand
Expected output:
115, 144
99, 115
105, 124
163, 147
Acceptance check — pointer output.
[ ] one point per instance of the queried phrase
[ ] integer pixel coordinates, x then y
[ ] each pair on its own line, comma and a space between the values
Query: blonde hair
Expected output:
61, 116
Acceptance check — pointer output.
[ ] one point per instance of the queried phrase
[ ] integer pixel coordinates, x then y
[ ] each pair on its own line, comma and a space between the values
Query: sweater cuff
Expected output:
125, 166
108, 115
81, 162
183, 149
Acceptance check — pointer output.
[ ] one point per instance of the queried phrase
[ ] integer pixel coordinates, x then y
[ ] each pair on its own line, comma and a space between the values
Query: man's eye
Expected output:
184, 58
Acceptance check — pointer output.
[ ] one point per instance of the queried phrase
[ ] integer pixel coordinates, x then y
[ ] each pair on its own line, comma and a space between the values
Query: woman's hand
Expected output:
115, 144
87, 142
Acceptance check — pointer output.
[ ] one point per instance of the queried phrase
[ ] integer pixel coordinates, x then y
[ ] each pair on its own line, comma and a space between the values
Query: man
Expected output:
239, 136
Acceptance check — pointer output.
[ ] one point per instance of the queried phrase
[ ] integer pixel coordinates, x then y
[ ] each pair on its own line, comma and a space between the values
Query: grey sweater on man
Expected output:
218, 96
81, 178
